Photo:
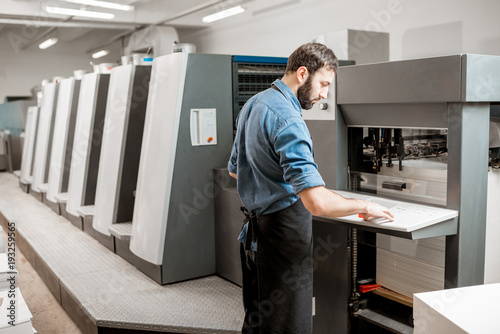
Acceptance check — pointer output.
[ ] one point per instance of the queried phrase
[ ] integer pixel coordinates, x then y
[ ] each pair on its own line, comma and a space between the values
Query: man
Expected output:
279, 184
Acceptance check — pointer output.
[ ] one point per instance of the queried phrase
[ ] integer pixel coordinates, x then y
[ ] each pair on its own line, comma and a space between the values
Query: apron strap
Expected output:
251, 219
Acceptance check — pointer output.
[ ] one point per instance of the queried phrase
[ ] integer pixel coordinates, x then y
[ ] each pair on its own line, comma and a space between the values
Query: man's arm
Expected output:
323, 202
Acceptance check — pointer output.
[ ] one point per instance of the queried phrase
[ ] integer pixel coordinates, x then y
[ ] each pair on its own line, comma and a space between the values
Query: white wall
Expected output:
20, 70
417, 27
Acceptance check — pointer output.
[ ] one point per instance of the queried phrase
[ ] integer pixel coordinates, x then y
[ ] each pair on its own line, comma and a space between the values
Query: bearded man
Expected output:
281, 188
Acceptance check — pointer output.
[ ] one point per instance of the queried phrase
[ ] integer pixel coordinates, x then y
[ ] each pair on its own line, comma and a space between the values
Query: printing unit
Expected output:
120, 152
62, 143
89, 129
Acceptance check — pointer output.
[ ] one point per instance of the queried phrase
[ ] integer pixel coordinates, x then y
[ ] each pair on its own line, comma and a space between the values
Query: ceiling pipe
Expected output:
73, 24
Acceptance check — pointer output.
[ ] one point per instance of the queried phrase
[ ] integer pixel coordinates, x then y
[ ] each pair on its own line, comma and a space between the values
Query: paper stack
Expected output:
15, 316
410, 266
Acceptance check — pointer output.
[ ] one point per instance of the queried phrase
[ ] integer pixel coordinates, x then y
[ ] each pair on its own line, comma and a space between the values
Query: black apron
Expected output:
277, 278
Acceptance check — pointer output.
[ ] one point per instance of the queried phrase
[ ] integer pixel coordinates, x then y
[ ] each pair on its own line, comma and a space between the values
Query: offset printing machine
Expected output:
413, 136
44, 137
87, 141
120, 152
62, 143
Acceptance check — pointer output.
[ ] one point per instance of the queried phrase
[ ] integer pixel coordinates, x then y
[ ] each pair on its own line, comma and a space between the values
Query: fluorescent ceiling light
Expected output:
103, 4
47, 43
76, 12
223, 14
100, 54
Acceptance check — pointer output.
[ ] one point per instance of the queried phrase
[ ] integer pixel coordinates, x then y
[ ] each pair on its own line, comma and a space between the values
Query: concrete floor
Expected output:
48, 315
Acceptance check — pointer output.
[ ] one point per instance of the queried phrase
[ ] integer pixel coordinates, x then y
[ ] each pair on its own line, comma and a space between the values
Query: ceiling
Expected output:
181, 14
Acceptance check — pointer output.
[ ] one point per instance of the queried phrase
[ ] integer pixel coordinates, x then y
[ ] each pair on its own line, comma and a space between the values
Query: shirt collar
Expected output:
290, 96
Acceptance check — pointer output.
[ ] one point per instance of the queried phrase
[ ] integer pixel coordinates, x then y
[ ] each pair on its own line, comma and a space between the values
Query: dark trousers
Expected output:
277, 278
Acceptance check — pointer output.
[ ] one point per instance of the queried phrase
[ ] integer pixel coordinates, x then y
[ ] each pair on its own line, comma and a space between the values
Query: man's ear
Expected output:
302, 74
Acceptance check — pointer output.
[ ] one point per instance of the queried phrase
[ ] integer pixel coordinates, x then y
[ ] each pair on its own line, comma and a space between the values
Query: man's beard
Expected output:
304, 94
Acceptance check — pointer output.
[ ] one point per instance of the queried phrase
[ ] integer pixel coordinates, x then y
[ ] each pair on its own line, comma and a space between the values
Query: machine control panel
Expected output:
203, 127
408, 216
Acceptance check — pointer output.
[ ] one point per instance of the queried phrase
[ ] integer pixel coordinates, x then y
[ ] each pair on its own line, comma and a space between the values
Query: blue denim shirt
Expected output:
272, 152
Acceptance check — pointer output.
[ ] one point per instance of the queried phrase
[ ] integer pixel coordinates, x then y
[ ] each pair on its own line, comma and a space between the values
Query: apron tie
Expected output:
250, 222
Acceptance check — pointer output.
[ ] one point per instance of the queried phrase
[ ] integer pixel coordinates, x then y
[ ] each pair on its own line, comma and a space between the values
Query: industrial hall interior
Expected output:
120, 212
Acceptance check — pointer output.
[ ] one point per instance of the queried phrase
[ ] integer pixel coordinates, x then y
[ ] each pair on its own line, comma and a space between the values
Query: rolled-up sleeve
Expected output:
293, 145
232, 165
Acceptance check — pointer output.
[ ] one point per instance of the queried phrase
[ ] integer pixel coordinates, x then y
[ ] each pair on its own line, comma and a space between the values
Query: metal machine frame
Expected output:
452, 92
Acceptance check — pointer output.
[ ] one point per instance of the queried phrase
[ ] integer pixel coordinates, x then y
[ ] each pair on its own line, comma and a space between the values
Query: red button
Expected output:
210, 139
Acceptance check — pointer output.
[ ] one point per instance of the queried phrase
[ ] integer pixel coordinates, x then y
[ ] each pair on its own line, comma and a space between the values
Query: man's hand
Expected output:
378, 211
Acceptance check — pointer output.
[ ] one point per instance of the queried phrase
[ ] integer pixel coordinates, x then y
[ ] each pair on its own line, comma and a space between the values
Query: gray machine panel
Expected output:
467, 192
430, 80
133, 144
193, 241
331, 255
323, 137
456, 78
428, 116
228, 222
70, 138
96, 135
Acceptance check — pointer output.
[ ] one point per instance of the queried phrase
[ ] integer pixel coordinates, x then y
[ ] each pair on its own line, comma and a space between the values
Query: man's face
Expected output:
315, 88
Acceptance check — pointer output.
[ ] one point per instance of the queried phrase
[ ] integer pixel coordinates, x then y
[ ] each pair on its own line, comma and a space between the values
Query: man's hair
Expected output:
313, 56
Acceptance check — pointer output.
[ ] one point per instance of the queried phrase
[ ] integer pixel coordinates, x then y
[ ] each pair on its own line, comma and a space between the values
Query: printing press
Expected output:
413, 136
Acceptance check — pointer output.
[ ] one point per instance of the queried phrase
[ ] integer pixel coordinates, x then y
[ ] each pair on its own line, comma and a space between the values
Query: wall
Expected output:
20, 70
417, 28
